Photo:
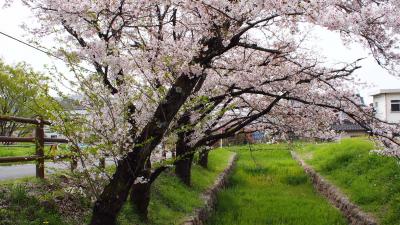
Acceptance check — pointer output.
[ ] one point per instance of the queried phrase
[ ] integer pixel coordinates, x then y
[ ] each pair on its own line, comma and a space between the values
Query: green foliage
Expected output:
23, 93
268, 187
371, 181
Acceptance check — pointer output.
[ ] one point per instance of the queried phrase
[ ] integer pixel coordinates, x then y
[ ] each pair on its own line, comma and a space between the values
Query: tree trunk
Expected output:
114, 195
203, 158
140, 197
183, 169
184, 157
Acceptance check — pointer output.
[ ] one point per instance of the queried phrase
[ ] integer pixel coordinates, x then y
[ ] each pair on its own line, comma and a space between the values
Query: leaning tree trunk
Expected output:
115, 193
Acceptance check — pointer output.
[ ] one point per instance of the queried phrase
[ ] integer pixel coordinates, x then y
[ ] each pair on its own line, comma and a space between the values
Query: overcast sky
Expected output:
329, 44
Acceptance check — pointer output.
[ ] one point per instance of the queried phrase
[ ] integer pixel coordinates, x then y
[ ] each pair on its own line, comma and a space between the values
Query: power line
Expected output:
47, 52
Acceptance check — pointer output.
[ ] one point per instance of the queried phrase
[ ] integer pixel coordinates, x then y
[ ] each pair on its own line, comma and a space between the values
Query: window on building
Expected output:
395, 105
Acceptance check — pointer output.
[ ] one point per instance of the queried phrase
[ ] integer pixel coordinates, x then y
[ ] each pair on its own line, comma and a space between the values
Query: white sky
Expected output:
329, 44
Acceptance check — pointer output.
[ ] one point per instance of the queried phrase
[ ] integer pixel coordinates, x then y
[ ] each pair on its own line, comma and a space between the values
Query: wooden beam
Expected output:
55, 140
17, 139
23, 120
31, 158
18, 159
31, 139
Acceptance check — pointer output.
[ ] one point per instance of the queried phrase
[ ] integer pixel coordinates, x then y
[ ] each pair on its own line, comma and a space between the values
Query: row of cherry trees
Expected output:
193, 72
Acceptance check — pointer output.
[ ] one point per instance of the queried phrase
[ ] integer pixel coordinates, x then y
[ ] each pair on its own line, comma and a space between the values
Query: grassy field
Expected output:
269, 187
171, 200
29, 149
371, 181
21, 150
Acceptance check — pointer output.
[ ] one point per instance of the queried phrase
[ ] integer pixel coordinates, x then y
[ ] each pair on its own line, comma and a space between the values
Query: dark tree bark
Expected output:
203, 158
183, 169
114, 195
184, 156
203, 155
140, 194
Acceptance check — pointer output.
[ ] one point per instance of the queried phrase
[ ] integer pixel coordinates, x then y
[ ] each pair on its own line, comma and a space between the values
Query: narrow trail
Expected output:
274, 190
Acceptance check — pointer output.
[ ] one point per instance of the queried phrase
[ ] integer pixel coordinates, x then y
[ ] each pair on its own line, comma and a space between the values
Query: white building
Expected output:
387, 104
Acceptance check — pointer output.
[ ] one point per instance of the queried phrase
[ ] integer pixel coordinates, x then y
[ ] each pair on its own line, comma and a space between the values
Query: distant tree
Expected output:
22, 92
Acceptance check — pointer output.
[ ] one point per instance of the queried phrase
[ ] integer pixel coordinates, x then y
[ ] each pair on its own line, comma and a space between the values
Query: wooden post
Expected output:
39, 136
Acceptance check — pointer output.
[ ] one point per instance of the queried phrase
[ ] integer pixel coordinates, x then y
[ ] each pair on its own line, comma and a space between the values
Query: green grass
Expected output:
23, 209
29, 149
25, 150
171, 200
371, 181
269, 187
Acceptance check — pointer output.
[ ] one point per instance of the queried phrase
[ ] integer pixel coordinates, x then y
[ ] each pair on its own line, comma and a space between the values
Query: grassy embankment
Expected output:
269, 187
171, 200
371, 181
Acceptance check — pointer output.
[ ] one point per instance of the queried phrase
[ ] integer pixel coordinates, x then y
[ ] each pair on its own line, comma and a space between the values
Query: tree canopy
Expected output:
22, 94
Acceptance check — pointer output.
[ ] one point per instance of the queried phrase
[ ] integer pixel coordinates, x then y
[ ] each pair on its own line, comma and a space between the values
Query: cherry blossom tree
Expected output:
155, 61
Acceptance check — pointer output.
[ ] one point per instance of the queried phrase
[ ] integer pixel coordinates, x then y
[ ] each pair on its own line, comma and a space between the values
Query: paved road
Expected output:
26, 170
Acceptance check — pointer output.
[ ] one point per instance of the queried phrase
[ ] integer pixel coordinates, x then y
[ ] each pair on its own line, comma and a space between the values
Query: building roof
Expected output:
347, 127
385, 91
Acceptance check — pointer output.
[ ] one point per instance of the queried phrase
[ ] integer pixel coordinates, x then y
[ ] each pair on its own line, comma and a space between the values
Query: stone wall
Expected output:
209, 197
352, 212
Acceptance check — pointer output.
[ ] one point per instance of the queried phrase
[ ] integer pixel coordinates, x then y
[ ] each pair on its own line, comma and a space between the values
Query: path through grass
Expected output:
271, 188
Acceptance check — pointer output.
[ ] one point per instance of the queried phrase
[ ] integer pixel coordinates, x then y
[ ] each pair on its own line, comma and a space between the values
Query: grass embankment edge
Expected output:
371, 181
200, 215
351, 211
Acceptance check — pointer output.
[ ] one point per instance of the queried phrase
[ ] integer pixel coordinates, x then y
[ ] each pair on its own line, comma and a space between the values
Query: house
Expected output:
346, 127
386, 103
349, 129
